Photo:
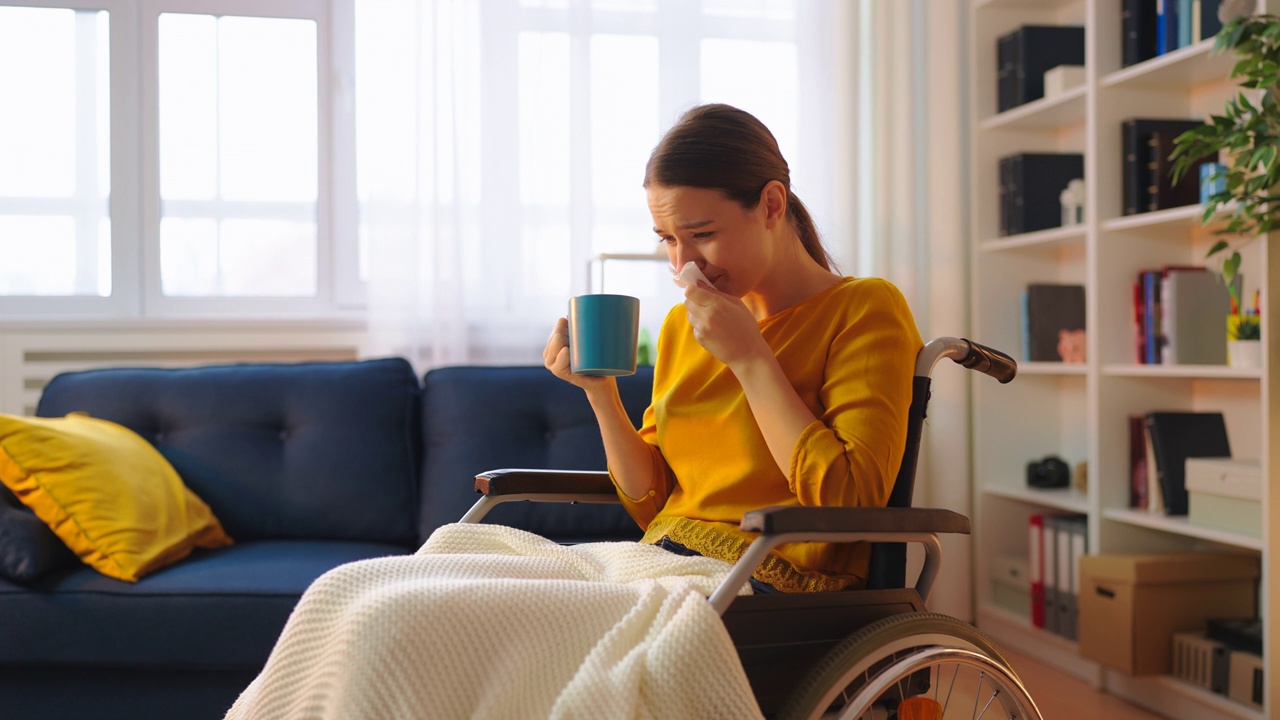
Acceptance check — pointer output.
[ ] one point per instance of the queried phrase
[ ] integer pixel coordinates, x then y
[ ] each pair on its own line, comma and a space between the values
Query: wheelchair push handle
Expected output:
969, 354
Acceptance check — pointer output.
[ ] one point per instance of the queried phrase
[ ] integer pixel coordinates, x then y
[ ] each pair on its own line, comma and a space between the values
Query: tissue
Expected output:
689, 275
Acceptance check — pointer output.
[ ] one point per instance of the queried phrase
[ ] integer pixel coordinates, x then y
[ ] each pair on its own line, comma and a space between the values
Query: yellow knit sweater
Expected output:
849, 352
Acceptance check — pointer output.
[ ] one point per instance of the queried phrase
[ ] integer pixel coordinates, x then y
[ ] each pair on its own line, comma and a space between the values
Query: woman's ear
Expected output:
773, 198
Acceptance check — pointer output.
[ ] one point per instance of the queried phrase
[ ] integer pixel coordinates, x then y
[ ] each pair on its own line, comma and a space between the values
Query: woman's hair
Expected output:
720, 147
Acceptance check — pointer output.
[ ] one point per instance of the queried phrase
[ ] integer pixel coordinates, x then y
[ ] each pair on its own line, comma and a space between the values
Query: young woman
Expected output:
778, 383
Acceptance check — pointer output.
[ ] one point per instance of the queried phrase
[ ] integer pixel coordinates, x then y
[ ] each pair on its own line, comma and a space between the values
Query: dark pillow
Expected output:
28, 548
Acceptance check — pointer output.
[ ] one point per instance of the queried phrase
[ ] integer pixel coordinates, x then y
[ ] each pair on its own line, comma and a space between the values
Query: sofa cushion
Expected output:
28, 548
325, 450
105, 492
218, 609
485, 418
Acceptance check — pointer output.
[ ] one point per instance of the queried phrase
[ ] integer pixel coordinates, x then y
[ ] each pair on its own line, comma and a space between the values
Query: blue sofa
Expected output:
308, 466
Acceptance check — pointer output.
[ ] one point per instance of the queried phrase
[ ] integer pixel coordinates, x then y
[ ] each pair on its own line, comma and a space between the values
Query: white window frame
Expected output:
134, 137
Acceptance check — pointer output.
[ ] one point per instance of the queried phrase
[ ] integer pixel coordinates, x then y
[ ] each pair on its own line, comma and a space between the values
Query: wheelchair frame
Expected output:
856, 636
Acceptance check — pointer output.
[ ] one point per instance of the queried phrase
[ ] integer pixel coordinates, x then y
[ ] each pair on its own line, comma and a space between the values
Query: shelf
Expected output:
1047, 112
1013, 630
1179, 70
980, 4
1177, 698
1052, 368
1193, 372
1189, 216
1049, 239
1181, 526
1065, 499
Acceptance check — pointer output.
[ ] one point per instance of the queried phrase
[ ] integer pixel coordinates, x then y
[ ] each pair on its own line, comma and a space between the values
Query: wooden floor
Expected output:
1062, 697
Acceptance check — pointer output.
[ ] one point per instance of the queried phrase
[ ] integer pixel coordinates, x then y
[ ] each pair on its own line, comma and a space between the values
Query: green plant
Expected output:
1249, 328
1248, 130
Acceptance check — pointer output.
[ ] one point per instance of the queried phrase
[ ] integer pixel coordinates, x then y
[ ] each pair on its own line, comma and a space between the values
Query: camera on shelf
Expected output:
1050, 472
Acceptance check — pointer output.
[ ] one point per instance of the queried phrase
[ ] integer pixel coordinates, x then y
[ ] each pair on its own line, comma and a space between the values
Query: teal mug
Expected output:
603, 333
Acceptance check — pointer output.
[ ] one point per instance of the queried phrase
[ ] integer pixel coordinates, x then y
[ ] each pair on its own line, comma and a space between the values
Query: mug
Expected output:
603, 332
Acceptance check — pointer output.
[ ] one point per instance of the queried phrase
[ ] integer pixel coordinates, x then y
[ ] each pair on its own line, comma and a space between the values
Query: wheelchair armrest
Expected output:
795, 519
512, 484
513, 481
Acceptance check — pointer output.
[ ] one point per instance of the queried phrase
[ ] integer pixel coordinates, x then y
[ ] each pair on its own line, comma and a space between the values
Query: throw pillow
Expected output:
105, 492
28, 548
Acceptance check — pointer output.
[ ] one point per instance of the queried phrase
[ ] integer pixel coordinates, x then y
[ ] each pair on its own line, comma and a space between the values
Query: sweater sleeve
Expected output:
850, 455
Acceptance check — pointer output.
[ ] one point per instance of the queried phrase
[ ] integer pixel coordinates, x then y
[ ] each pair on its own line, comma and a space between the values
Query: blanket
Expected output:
487, 621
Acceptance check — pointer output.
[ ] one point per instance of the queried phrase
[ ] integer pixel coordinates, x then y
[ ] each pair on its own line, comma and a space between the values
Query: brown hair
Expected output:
720, 147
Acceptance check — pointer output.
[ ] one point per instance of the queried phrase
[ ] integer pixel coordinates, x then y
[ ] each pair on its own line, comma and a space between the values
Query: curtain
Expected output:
501, 147
915, 227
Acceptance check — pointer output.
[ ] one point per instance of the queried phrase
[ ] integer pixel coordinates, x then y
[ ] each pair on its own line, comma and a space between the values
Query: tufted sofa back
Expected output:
486, 418
325, 450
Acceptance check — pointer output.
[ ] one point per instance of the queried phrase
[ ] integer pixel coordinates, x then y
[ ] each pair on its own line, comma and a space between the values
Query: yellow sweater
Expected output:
849, 352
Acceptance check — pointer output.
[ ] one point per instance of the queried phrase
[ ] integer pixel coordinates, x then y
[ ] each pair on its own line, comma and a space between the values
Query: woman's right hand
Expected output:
556, 359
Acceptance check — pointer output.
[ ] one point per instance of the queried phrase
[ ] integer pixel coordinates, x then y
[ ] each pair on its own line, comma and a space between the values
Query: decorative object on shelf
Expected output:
1072, 200
1048, 473
1244, 333
1062, 78
1247, 132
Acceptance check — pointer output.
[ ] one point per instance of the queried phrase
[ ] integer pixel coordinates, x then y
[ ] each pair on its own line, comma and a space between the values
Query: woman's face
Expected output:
728, 243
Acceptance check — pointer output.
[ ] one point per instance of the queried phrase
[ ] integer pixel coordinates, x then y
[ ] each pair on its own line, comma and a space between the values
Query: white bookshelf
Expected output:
1079, 412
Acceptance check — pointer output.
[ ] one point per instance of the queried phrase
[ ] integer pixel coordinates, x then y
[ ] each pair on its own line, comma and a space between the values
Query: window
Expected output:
174, 157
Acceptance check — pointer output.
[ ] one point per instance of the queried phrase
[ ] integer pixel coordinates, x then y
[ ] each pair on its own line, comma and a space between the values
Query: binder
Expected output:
1062, 544
1162, 193
1030, 51
1035, 568
1209, 22
1136, 157
1034, 183
1176, 436
1076, 531
1049, 547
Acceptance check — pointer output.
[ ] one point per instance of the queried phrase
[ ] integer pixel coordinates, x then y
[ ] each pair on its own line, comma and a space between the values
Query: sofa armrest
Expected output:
511, 484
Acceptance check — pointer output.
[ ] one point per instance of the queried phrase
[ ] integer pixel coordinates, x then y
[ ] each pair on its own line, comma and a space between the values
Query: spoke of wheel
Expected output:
994, 695
982, 676
950, 688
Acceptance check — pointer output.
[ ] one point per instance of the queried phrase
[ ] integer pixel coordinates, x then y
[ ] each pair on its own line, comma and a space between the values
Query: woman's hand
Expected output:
724, 325
556, 359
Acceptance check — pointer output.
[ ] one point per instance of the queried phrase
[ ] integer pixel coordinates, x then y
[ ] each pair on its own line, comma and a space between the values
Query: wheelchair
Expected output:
870, 653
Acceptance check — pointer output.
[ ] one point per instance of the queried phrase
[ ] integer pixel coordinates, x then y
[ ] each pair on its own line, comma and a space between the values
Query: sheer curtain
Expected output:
501, 147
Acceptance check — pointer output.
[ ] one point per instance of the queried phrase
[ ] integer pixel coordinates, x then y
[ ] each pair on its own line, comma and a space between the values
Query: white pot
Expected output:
1244, 353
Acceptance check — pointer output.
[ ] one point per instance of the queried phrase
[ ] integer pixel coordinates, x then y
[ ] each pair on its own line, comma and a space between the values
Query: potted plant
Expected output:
1248, 133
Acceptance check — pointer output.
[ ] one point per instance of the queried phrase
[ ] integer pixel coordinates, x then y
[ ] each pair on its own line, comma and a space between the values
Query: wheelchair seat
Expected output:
848, 654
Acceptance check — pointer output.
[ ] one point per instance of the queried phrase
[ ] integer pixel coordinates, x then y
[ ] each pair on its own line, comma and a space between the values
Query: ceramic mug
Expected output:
603, 333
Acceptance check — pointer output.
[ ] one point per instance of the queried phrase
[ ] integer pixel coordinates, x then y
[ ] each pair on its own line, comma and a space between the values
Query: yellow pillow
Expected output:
105, 492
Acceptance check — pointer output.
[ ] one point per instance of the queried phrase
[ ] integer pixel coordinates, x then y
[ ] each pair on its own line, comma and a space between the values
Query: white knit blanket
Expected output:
486, 621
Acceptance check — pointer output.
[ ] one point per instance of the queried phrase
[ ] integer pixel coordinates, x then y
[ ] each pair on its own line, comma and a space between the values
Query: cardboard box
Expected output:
1225, 494
1131, 605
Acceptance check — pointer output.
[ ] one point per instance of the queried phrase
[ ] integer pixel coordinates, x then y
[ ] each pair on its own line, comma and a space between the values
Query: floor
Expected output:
1061, 697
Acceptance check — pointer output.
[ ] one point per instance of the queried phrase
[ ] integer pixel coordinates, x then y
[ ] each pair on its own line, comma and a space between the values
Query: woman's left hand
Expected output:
723, 325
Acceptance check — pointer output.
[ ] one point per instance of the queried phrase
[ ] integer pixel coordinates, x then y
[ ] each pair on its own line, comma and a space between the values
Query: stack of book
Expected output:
1179, 316
1031, 186
1147, 175
1023, 56
1159, 444
1154, 27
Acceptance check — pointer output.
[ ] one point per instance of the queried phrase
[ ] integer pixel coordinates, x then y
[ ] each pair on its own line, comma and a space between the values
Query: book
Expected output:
1138, 27
1184, 24
1194, 302
1163, 193
1209, 24
1176, 436
1136, 158
1050, 311
1028, 52
1031, 186
1138, 462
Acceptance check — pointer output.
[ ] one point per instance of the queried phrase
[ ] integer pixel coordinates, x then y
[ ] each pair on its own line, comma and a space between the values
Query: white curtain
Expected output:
912, 187
501, 147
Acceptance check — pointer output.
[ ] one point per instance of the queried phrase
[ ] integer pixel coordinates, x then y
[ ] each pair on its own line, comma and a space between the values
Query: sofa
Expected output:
306, 466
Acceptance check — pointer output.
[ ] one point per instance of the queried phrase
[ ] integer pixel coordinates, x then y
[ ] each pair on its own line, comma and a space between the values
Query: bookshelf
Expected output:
1079, 412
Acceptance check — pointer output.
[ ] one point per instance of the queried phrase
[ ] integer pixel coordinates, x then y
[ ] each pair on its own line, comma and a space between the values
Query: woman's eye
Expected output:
702, 235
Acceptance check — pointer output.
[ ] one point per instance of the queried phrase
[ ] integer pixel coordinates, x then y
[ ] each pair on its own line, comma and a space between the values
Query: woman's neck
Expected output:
790, 283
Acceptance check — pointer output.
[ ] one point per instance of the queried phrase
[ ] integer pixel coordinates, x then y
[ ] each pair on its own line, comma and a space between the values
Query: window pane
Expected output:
624, 129
759, 77
544, 161
54, 152
201, 257
239, 156
764, 9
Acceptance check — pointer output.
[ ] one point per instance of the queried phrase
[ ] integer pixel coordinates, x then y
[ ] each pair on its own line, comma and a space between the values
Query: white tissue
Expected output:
689, 275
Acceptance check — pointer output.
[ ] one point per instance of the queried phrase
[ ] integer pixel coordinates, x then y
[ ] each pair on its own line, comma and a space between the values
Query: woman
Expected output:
778, 383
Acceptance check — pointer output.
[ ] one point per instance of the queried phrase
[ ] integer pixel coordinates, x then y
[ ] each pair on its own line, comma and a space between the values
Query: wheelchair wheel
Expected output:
929, 665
